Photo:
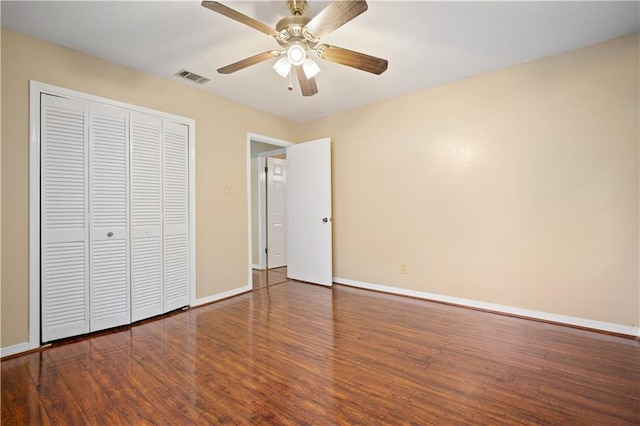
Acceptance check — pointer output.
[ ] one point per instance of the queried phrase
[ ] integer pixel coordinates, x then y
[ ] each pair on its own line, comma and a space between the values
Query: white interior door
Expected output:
109, 183
146, 218
176, 215
64, 218
309, 226
276, 212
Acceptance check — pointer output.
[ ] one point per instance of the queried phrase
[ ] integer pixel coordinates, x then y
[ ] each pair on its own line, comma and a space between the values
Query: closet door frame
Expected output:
36, 89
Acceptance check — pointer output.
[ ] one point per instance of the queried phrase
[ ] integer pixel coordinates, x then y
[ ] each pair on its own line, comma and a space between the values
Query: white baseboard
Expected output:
223, 295
15, 349
256, 266
562, 319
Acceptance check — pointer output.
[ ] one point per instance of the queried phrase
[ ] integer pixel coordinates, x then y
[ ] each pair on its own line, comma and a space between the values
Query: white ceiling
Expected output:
426, 43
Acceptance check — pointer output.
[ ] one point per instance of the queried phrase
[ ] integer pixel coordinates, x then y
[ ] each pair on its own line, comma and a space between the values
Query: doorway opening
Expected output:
267, 206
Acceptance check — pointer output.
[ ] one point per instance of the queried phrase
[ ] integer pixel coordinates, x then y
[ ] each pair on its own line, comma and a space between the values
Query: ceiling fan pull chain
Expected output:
290, 86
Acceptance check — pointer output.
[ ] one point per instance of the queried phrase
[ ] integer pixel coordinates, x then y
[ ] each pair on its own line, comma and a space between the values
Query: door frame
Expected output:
36, 89
253, 137
262, 204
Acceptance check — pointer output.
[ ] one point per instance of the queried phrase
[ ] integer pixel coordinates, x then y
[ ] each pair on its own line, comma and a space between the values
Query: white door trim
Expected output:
272, 141
262, 198
35, 90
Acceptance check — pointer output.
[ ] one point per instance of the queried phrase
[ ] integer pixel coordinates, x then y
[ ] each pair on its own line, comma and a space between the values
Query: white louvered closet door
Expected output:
176, 215
109, 259
146, 216
64, 218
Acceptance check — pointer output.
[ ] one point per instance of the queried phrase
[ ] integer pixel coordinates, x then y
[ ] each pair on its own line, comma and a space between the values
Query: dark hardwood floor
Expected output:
296, 354
267, 277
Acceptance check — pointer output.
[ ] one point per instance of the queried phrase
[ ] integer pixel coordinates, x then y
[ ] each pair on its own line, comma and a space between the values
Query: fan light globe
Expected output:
310, 68
283, 67
296, 54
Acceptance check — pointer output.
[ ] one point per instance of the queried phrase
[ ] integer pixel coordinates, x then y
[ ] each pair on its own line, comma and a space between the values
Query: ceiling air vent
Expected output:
192, 76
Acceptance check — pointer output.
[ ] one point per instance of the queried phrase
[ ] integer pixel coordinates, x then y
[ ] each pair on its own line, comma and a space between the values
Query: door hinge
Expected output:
266, 251
266, 169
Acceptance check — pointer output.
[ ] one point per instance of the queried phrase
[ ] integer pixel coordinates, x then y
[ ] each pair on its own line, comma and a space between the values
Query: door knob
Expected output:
325, 220
109, 234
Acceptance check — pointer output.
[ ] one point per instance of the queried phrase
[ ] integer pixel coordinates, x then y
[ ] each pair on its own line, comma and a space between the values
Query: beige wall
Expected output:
518, 187
221, 131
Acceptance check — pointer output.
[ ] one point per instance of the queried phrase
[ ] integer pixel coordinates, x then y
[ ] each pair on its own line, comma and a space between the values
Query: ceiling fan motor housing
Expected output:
292, 28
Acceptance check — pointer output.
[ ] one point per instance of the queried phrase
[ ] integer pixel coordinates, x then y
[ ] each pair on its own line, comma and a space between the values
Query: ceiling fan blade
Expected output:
352, 59
307, 85
334, 16
255, 59
237, 16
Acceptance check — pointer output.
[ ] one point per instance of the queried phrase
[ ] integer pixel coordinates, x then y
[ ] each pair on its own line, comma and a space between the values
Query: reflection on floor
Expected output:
269, 277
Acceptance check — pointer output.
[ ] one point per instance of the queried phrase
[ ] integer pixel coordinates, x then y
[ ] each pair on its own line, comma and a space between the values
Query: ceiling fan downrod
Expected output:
297, 7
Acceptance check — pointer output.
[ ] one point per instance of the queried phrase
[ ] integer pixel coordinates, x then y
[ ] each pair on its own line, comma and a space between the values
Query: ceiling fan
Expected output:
298, 34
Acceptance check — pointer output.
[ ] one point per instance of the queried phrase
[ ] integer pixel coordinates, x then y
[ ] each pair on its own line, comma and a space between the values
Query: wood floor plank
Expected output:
58, 400
599, 403
119, 375
22, 406
72, 366
298, 354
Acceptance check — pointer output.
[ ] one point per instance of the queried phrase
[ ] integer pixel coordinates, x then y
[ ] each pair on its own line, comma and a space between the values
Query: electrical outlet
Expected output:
404, 268
228, 189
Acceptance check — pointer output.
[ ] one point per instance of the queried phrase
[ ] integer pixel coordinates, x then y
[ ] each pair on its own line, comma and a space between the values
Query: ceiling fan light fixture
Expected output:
296, 53
298, 35
310, 68
282, 67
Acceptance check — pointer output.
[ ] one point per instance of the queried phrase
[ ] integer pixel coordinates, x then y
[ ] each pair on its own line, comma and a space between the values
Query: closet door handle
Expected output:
109, 234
